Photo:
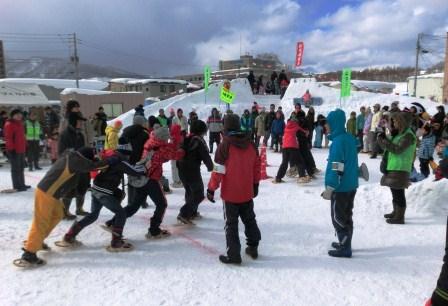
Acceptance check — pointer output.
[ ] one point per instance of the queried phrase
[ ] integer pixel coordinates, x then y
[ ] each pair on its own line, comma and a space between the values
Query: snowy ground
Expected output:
391, 265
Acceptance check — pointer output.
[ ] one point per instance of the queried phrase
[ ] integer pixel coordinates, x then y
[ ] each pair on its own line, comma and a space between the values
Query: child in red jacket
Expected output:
237, 170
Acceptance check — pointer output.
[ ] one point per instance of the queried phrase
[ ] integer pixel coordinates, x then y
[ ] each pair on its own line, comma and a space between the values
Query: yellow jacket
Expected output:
111, 141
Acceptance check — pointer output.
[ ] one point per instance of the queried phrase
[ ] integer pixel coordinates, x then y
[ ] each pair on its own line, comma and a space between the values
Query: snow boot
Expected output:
391, 214
304, 180
67, 214
363, 172
79, 207
118, 244
183, 220
159, 234
345, 246
292, 172
69, 239
28, 259
227, 260
277, 181
252, 251
196, 216
398, 218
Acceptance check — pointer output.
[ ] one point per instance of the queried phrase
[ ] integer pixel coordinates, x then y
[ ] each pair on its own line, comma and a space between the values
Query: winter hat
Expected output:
232, 123
444, 167
118, 124
152, 120
124, 147
162, 133
71, 105
87, 152
14, 112
73, 118
139, 120
198, 127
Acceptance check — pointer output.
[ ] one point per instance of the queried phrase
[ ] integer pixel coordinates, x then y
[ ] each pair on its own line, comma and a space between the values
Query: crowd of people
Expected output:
400, 136
275, 85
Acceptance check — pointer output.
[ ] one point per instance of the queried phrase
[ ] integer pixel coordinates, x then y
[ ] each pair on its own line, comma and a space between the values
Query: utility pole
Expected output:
416, 63
75, 59
445, 76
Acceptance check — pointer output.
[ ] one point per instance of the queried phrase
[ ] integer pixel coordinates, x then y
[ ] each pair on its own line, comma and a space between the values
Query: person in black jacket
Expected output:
270, 117
72, 139
136, 135
196, 152
106, 192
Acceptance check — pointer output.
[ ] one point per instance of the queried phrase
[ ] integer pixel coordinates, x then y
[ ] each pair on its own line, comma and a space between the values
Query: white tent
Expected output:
14, 94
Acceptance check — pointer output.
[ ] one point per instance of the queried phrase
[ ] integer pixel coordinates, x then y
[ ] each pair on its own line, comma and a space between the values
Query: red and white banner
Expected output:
299, 53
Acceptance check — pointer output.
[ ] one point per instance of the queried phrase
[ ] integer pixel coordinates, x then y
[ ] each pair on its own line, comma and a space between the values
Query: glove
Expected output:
112, 160
256, 190
326, 195
211, 195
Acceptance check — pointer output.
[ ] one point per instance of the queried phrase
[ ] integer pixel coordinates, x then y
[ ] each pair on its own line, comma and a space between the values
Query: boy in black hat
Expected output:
189, 166
105, 192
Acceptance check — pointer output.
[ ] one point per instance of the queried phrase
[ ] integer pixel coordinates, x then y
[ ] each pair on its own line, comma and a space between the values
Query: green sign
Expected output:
346, 82
207, 74
227, 96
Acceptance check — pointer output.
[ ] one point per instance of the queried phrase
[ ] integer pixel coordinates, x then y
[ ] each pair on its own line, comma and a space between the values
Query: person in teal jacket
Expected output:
246, 122
341, 182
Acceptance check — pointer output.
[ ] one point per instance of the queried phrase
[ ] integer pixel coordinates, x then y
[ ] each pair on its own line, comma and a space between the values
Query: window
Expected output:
172, 88
113, 110
162, 88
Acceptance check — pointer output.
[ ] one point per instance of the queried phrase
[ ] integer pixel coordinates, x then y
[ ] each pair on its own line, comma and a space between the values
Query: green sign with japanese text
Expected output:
346, 82
227, 96
207, 74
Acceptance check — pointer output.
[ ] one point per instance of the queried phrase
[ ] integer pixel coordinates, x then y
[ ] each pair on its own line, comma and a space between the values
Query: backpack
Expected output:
140, 181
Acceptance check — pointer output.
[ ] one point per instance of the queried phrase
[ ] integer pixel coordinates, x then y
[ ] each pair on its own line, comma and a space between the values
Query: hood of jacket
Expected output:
336, 120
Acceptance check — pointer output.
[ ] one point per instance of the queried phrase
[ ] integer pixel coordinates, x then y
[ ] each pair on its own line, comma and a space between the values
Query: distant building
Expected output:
429, 86
2, 62
150, 88
114, 103
240, 68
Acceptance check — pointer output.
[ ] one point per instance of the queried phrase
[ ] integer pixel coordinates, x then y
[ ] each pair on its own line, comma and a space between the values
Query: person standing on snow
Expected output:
260, 126
15, 143
341, 182
246, 123
270, 117
360, 121
190, 171
373, 133
112, 131
34, 134
181, 121
397, 162
215, 127
237, 171
366, 130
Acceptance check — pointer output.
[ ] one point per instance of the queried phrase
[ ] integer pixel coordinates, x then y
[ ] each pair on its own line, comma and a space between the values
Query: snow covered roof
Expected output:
59, 83
372, 84
429, 76
193, 86
131, 81
70, 91
22, 95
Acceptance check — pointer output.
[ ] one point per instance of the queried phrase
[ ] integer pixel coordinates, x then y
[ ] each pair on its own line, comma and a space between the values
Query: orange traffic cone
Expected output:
263, 159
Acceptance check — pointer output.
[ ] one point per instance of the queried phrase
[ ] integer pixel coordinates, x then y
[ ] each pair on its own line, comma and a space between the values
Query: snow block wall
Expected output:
331, 101
200, 102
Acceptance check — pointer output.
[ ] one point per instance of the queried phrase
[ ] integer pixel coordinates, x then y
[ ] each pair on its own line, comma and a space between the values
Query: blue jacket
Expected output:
278, 127
426, 150
360, 121
246, 124
343, 150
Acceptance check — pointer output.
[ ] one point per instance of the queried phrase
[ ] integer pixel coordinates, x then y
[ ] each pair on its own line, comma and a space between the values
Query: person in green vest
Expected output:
397, 162
163, 120
33, 133
351, 124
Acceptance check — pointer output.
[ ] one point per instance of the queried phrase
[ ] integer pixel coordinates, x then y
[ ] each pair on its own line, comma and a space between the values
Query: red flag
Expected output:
299, 53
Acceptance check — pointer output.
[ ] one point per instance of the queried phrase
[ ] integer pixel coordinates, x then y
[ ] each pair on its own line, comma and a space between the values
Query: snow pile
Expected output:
429, 196
331, 99
90, 92
202, 104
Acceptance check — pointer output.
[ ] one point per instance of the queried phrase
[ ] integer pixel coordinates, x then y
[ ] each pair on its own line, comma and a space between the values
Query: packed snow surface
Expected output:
391, 264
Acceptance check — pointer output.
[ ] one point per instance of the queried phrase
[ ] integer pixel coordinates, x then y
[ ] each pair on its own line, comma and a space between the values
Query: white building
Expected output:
429, 86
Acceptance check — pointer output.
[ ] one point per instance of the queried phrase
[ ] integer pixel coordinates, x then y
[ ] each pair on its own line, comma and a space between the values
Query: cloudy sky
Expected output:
169, 37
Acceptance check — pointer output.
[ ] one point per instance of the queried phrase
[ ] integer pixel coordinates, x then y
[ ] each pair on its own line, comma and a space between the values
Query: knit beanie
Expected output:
87, 152
14, 112
232, 123
198, 127
162, 133
139, 120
